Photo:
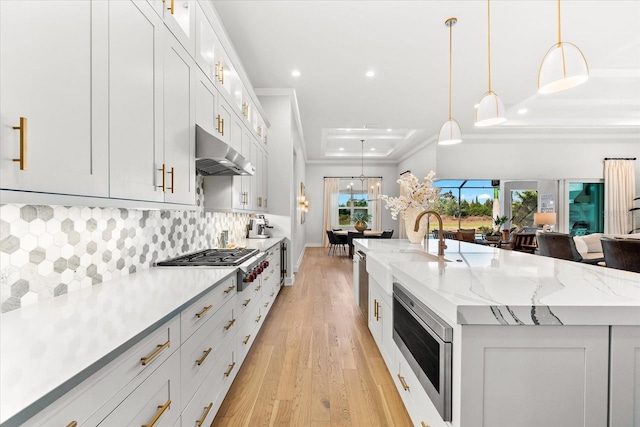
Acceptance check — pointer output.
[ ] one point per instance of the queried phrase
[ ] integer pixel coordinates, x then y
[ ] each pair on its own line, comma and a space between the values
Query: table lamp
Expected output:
546, 219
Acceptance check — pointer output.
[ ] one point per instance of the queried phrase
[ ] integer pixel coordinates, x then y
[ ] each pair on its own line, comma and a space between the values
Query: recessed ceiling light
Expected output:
341, 149
370, 73
522, 111
388, 130
295, 73
348, 130
373, 149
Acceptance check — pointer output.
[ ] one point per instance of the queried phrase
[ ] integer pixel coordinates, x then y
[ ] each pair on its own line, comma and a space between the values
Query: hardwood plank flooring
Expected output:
314, 362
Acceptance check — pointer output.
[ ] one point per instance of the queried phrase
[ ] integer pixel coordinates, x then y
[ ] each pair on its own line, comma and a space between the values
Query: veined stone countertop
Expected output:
489, 286
49, 347
260, 244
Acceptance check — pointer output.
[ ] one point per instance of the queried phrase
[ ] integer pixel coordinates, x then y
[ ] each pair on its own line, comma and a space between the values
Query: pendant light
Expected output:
563, 67
490, 110
450, 132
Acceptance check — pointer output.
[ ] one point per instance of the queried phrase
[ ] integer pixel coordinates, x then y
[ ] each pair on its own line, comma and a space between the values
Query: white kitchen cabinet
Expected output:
625, 376
531, 376
155, 402
179, 17
135, 105
206, 44
206, 104
381, 321
50, 77
224, 118
179, 124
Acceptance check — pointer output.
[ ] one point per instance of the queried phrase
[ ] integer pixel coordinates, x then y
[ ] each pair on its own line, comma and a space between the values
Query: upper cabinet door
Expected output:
46, 79
179, 123
135, 104
179, 17
206, 47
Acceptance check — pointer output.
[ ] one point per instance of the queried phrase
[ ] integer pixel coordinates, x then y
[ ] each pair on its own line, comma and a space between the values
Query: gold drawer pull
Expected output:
404, 384
273, 293
73, 424
377, 311
159, 349
163, 169
258, 318
222, 74
424, 424
23, 143
258, 288
171, 8
204, 311
172, 172
204, 356
204, 415
222, 120
266, 304
246, 303
156, 417
226, 374
246, 339
229, 289
230, 324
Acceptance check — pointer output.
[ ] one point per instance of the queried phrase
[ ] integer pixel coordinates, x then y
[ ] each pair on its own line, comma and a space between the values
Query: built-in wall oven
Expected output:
425, 341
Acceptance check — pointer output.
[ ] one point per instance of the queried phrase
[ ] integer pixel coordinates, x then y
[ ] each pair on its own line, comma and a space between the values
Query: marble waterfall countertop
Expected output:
489, 286
50, 347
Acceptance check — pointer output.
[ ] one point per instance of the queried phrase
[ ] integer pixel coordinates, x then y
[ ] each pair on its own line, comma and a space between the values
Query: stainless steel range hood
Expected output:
216, 157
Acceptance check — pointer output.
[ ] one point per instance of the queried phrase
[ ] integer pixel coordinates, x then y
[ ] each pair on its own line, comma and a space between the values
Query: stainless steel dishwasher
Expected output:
360, 260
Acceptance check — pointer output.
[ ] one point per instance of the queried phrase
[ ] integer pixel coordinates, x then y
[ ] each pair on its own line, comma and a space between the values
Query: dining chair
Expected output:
523, 242
622, 254
334, 242
386, 234
466, 235
350, 236
561, 246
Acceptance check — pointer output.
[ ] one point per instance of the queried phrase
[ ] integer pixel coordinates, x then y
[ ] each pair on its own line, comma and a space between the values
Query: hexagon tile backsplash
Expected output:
47, 251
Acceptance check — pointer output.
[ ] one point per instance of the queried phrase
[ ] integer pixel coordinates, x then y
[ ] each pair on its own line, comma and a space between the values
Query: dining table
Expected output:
367, 234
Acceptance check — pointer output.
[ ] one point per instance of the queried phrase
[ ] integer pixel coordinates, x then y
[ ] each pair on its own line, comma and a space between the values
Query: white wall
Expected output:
533, 157
315, 173
420, 162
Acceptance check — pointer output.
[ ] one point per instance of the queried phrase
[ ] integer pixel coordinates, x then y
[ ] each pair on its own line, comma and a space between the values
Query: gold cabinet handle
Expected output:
266, 304
423, 424
204, 415
258, 318
159, 349
222, 124
204, 356
377, 311
204, 311
172, 172
404, 384
260, 131
171, 8
229, 289
163, 169
246, 302
73, 424
226, 374
23, 143
258, 288
218, 64
218, 123
230, 324
272, 293
156, 417
246, 339
222, 74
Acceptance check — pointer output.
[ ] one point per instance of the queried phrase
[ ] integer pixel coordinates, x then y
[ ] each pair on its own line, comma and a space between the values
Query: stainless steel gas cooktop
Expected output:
211, 258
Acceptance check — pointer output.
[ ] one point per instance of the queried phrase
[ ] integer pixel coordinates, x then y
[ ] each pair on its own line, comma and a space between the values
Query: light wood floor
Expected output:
314, 362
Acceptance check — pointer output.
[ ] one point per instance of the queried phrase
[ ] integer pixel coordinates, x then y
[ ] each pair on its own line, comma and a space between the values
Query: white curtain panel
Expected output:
402, 232
619, 191
331, 193
375, 204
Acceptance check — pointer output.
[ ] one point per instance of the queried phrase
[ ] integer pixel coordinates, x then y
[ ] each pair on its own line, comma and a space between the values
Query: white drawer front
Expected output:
126, 370
200, 311
247, 300
247, 333
204, 346
156, 398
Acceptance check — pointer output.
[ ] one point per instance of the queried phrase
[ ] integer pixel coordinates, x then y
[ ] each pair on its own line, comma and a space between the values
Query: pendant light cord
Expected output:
489, 42
559, 33
450, 62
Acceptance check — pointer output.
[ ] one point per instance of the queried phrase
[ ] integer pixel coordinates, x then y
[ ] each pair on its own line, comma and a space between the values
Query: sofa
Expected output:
589, 245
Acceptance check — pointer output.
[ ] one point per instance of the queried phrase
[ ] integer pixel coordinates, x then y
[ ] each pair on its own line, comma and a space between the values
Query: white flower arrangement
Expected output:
418, 195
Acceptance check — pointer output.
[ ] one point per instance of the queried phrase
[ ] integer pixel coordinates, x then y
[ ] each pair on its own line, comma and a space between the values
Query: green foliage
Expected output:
499, 220
361, 216
524, 208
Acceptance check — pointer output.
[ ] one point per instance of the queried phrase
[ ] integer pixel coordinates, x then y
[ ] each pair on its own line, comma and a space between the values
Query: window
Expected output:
586, 208
524, 203
353, 197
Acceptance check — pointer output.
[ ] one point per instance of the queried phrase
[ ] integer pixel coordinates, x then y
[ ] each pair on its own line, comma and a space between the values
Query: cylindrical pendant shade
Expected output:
490, 111
450, 133
563, 67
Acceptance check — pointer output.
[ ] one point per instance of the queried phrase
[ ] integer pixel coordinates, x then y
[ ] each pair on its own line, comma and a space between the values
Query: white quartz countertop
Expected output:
484, 285
260, 244
49, 346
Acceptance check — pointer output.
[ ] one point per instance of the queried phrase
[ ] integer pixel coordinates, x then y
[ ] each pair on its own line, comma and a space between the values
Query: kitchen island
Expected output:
566, 358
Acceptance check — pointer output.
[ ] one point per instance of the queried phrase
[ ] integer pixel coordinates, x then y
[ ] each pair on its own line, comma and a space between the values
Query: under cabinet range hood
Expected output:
216, 157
